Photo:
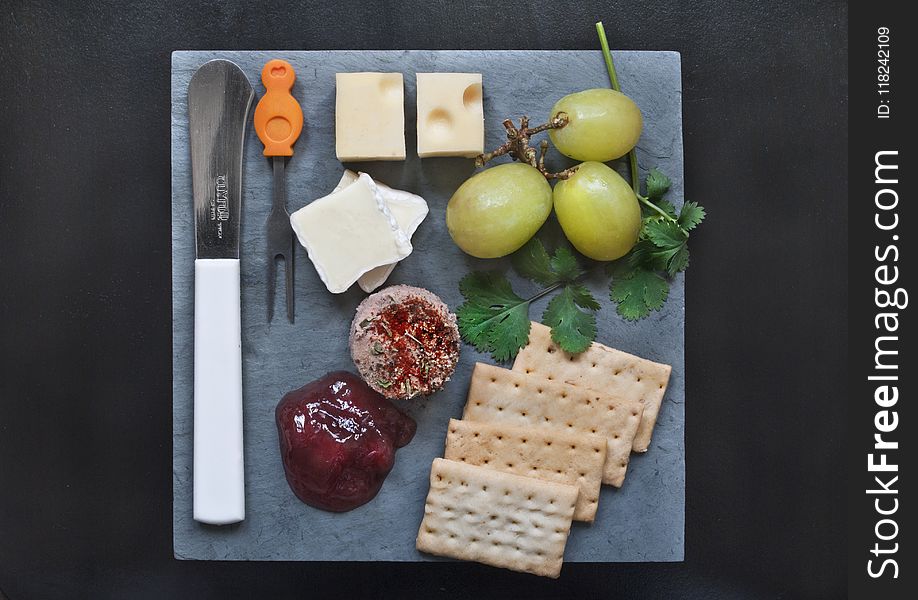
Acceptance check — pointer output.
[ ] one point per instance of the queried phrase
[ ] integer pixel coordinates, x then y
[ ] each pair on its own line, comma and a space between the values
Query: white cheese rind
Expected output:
409, 211
450, 114
369, 116
349, 233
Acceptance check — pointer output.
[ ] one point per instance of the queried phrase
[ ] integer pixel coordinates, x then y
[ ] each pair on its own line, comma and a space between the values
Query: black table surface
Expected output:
85, 315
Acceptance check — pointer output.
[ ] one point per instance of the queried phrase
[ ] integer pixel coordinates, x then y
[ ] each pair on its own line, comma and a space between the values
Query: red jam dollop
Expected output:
338, 439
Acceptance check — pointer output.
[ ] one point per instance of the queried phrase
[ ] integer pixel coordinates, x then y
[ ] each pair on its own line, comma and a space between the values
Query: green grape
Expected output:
498, 210
604, 125
598, 211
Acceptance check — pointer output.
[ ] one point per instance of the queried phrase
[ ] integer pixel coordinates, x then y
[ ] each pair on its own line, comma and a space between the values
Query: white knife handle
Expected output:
219, 484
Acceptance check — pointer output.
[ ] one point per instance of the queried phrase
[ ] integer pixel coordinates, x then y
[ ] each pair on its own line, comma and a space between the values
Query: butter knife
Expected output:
219, 99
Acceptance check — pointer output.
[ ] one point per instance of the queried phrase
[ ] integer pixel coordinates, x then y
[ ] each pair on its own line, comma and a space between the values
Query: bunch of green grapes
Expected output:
498, 210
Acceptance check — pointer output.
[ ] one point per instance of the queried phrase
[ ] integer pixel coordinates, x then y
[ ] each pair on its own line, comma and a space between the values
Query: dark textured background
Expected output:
85, 419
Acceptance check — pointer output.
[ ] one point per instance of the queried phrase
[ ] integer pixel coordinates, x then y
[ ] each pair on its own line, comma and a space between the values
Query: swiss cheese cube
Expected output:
369, 116
450, 114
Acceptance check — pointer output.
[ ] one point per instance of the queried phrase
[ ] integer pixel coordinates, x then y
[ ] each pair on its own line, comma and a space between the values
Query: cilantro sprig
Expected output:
637, 284
495, 319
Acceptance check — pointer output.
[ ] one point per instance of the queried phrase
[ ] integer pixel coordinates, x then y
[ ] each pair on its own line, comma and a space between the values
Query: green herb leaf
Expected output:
532, 262
564, 265
583, 297
493, 318
571, 328
664, 234
646, 255
679, 261
638, 292
657, 184
691, 215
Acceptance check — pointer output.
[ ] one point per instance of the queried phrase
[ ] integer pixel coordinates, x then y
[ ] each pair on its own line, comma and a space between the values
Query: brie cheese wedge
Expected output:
349, 233
409, 211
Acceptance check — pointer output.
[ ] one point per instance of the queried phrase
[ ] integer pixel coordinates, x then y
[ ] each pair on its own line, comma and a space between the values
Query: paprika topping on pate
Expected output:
404, 341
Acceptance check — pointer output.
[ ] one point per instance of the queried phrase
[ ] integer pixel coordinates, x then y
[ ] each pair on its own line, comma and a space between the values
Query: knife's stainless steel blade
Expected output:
219, 99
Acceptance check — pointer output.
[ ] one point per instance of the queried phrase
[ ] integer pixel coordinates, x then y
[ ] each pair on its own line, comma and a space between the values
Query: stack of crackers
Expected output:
532, 449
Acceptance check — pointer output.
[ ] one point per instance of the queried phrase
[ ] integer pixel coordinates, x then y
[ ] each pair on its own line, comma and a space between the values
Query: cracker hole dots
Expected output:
551, 378
478, 404
500, 409
593, 431
638, 379
564, 394
528, 371
624, 465
548, 443
494, 380
617, 372
594, 365
661, 386
551, 350
516, 385
484, 488
509, 465
524, 413
573, 446
500, 437
570, 425
477, 434
615, 437
634, 414
523, 440
539, 390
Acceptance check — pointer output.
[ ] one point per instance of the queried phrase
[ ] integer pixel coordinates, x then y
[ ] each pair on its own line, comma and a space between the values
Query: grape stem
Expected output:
613, 79
632, 155
517, 145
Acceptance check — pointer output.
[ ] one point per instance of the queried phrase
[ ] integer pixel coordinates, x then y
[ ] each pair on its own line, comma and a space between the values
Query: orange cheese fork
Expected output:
278, 122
